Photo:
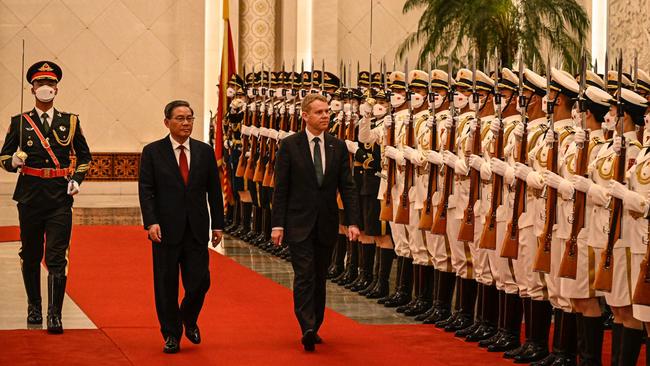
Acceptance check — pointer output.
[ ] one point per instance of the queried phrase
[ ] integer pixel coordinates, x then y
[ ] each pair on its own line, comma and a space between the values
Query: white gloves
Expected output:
365, 109
393, 153
16, 161
580, 135
519, 131
254, 131
549, 139
632, 200
447, 123
563, 186
472, 125
495, 126
430, 122
580, 183
281, 135
73, 187
252, 107
449, 158
283, 108
499, 166
388, 121
263, 131
521, 170
272, 134
476, 162
245, 130
292, 109
616, 146
433, 157
617, 190
236, 105
353, 146
411, 154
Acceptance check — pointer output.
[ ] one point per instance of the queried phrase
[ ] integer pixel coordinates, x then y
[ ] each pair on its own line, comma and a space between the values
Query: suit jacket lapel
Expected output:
194, 159
303, 145
329, 156
169, 156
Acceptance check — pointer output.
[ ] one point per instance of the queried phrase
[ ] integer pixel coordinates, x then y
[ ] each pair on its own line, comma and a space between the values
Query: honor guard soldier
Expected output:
38, 146
232, 133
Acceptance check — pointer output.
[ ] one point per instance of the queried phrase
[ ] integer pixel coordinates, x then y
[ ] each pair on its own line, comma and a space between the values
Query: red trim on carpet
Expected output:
247, 319
9, 233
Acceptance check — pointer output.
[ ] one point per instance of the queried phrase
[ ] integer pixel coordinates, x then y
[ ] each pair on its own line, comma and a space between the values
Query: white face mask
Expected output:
328, 96
610, 122
347, 108
397, 100
379, 110
460, 100
437, 101
417, 100
230, 92
278, 92
473, 106
249, 92
336, 106
545, 104
290, 96
503, 106
45, 93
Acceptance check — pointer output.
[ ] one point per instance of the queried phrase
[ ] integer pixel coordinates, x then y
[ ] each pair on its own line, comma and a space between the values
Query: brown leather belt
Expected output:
45, 173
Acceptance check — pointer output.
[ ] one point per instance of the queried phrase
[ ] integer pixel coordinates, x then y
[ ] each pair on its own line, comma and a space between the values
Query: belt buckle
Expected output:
46, 172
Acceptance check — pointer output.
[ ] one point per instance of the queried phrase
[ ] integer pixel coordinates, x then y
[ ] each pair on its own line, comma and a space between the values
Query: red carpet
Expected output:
247, 320
9, 233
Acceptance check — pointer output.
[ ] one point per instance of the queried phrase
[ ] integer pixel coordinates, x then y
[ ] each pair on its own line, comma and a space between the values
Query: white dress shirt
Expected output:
310, 138
50, 115
177, 151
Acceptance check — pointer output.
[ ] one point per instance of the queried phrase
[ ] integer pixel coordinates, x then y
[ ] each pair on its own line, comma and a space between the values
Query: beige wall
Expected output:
629, 29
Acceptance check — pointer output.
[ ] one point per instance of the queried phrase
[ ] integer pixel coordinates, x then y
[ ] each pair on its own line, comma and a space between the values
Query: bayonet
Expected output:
322, 78
636, 70
311, 81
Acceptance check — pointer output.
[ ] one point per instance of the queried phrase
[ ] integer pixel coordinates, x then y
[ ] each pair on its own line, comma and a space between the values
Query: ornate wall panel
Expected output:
629, 29
257, 32
114, 167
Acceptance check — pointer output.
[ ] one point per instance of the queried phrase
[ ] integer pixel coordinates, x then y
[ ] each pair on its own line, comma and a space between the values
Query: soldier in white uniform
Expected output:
627, 330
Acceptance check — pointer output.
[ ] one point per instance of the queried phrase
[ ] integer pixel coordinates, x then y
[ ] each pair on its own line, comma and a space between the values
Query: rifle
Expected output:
489, 234
569, 262
267, 120
243, 160
542, 262
250, 165
605, 273
440, 221
402, 215
510, 247
642, 288
269, 172
466, 232
426, 217
386, 213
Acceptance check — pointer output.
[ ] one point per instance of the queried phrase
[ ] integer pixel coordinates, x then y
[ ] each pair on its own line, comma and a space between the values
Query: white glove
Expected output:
272, 134
247, 154
472, 124
495, 126
499, 166
632, 201
73, 187
563, 186
430, 121
521, 170
388, 121
263, 131
433, 157
353, 146
460, 167
245, 130
396, 155
519, 131
549, 139
236, 105
252, 107
283, 108
289, 133
616, 146
552, 179
476, 162
347, 108
292, 109
255, 131
262, 107
410, 153
269, 110
617, 190
365, 109
16, 161
580, 135
447, 123
281, 135
449, 158
580, 183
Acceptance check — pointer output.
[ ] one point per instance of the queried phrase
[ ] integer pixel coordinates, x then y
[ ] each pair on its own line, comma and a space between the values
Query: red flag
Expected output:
228, 68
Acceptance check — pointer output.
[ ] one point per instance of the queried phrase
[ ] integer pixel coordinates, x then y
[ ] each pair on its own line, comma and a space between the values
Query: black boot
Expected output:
375, 273
405, 287
590, 340
425, 294
444, 293
398, 279
490, 315
465, 316
352, 270
260, 239
480, 310
501, 317
346, 261
235, 219
55, 295
452, 315
245, 220
416, 287
527, 322
386, 257
558, 314
229, 218
32, 281
368, 264
630, 346
540, 326
566, 350
256, 221
434, 302
338, 257
617, 333
512, 325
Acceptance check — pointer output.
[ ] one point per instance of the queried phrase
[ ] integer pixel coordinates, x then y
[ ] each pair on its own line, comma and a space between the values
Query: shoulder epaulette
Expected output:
636, 143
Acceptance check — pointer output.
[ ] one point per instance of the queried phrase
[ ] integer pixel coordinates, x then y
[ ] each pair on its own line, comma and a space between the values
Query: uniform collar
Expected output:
175, 144
536, 122
50, 114
562, 123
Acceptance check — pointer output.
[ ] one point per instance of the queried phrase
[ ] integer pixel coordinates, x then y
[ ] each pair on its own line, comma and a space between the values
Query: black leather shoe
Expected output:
439, 314
171, 345
469, 330
318, 339
486, 342
54, 325
485, 331
546, 361
462, 321
34, 314
507, 342
534, 352
517, 351
309, 340
399, 300
192, 333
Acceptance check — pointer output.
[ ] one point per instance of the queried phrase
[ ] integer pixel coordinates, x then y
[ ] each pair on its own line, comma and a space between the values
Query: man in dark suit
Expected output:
176, 174
310, 168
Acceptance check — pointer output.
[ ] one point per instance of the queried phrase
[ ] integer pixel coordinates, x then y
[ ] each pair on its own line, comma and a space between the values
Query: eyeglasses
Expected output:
180, 119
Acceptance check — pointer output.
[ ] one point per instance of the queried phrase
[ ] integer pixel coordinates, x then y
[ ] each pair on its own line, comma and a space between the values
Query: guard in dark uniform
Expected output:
232, 137
47, 182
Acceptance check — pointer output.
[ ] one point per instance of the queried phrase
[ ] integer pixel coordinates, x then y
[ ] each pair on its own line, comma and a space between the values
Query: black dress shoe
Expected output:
54, 325
534, 352
469, 330
34, 314
546, 361
171, 345
517, 351
192, 333
507, 342
483, 332
495, 338
318, 339
309, 340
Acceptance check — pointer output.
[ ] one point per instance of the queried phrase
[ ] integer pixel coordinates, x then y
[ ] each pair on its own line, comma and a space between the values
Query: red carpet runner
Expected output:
247, 320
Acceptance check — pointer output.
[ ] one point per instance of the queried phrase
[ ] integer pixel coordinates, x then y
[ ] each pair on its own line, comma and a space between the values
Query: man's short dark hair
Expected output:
169, 108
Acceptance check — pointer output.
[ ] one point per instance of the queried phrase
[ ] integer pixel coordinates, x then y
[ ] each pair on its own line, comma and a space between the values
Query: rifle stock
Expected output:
402, 215
243, 160
510, 246
489, 234
440, 221
249, 172
258, 175
542, 262
426, 217
642, 289
466, 232
386, 213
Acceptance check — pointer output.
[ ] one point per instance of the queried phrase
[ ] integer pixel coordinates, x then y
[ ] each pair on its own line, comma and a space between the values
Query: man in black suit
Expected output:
310, 168
176, 174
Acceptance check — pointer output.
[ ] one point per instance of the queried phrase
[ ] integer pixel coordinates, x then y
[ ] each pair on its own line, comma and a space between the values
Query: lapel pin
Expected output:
62, 128
30, 142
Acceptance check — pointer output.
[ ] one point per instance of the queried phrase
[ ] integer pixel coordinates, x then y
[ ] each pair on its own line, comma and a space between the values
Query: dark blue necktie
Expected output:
318, 161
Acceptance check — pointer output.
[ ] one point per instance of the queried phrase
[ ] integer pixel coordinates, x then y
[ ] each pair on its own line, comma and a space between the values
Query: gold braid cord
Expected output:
73, 127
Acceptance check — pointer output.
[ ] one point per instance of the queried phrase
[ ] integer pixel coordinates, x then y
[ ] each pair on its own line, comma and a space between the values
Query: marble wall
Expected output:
629, 29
